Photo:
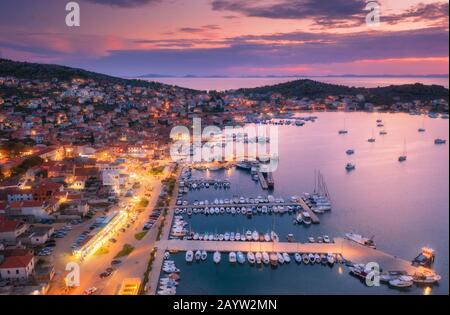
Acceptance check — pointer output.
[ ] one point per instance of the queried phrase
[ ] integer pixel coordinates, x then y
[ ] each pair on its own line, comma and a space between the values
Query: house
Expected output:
10, 230
37, 235
17, 265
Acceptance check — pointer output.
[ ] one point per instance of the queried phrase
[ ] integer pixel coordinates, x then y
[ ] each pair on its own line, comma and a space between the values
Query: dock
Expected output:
348, 249
262, 181
270, 180
314, 218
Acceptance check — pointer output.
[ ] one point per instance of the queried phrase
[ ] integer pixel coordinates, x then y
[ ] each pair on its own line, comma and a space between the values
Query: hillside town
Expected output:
74, 156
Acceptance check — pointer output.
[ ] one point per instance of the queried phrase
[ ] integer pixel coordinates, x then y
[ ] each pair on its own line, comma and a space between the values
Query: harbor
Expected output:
354, 207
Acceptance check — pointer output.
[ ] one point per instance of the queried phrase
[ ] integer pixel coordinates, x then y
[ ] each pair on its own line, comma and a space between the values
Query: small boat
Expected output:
237, 236
273, 259
323, 259
350, 167
258, 258
306, 218
243, 237
221, 237
305, 258
204, 255
248, 235
350, 152
251, 258
426, 277
287, 258
331, 259
402, 282
232, 257
265, 258
361, 239
189, 256
274, 237
255, 236
280, 258
198, 255
217, 257
298, 258
311, 239
226, 236
317, 256
240, 257
232, 236
440, 141
326, 239
267, 237
312, 258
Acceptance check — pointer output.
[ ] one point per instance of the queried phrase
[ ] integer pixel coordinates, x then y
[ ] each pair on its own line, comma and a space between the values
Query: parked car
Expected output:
90, 291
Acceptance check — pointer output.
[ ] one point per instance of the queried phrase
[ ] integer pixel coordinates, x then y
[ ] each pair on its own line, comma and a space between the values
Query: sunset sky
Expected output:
230, 37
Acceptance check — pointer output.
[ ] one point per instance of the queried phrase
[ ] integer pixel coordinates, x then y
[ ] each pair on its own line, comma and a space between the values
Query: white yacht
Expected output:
204, 255
306, 218
280, 258
240, 257
274, 237
255, 236
258, 257
265, 258
298, 257
251, 257
402, 282
217, 257
232, 257
287, 258
198, 255
361, 239
267, 237
248, 235
189, 256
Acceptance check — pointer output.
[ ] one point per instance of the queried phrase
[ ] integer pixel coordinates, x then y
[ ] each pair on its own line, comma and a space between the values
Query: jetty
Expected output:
263, 181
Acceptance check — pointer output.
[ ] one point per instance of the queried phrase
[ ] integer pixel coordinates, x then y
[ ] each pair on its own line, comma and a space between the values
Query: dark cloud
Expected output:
193, 30
436, 12
294, 9
123, 3
278, 50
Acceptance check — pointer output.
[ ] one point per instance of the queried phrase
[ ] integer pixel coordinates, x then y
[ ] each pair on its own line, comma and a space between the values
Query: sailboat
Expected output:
371, 139
343, 131
422, 129
402, 158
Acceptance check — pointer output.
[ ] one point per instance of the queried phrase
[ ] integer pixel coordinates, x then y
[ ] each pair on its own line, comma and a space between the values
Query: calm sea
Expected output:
404, 205
222, 84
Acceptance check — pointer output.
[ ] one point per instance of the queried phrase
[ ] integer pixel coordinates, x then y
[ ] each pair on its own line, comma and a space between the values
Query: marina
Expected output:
227, 260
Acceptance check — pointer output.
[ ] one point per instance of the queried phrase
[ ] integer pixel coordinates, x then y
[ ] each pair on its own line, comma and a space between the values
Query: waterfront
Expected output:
222, 84
404, 205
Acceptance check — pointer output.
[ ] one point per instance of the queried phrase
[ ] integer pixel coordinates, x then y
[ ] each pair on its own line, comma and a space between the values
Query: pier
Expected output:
262, 181
348, 249
314, 217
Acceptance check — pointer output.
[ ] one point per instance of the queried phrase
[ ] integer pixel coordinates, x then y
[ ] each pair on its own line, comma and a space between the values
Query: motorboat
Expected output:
251, 257
426, 277
306, 218
440, 141
280, 258
189, 256
350, 167
402, 282
226, 236
204, 255
318, 258
258, 258
217, 257
298, 258
248, 235
255, 236
323, 259
240, 257
331, 259
311, 239
265, 258
237, 236
361, 239
221, 237
273, 259
350, 152
198, 255
274, 237
305, 258
267, 237
232, 236
312, 258
287, 258
326, 239
232, 257
243, 237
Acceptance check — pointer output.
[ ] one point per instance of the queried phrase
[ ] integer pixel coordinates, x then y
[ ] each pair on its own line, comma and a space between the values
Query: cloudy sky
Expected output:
230, 37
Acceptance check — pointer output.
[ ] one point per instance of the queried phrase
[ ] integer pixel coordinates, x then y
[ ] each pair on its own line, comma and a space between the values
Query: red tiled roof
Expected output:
7, 225
17, 261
